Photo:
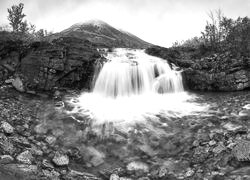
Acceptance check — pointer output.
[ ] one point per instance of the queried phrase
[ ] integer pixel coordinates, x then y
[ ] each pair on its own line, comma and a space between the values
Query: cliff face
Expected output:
217, 72
65, 62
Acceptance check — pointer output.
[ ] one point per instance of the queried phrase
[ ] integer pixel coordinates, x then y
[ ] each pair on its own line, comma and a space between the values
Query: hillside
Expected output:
103, 35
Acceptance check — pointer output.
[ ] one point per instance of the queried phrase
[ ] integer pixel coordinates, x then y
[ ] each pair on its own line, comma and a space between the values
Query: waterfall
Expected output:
131, 87
132, 72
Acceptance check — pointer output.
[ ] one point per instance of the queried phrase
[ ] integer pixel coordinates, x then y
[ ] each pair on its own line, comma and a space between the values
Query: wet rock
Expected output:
138, 166
96, 157
114, 177
36, 151
81, 175
125, 178
7, 147
51, 174
219, 148
244, 113
18, 84
7, 128
60, 159
96, 160
190, 172
232, 127
212, 142
21, 170
50, 140
25, 157
47, 164
6, 159
40, 129
247, 106
241, 150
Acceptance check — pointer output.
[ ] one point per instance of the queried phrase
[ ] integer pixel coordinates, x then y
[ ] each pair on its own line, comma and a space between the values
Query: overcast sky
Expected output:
161, 22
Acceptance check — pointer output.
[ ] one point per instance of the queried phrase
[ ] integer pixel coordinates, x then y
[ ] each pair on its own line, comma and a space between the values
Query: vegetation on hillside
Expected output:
221, 34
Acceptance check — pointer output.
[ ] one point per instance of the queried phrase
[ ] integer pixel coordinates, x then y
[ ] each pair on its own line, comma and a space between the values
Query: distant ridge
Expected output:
104, 35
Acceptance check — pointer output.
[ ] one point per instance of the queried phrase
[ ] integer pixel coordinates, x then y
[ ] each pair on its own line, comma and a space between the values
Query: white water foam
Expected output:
133, 86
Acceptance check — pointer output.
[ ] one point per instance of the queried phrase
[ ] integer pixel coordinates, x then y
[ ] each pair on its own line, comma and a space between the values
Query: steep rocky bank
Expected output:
216, 72
64, 62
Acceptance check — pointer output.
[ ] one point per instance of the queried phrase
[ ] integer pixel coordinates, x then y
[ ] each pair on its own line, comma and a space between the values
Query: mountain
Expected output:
103, 35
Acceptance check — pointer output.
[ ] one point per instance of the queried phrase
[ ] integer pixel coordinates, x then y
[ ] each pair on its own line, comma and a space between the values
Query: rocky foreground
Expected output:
39, 141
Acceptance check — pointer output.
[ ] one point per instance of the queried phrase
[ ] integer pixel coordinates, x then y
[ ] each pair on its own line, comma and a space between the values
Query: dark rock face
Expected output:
218, 72
62, 63
10, 54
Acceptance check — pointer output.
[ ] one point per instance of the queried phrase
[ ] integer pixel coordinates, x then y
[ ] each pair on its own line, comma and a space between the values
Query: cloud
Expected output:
158, 21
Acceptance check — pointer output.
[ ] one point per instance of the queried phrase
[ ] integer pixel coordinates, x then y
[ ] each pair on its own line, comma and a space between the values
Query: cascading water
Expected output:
133, 86
132, 72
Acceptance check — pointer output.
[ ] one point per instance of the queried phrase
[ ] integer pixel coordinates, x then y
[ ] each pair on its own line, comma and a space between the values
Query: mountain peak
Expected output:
102, 34
96, 22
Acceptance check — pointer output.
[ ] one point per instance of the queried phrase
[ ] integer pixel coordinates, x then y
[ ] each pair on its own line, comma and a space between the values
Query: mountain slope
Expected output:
104, 35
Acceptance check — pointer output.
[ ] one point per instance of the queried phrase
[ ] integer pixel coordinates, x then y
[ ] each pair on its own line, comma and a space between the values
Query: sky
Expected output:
161, 22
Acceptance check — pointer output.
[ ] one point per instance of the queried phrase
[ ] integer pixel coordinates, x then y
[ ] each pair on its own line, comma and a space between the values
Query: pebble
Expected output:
218, 149
96, 161
212, 142
25, 157
8, 129
47, 164
136, 166
60, 159
40, 129
114, 177
50, 140
18, 84
189, 173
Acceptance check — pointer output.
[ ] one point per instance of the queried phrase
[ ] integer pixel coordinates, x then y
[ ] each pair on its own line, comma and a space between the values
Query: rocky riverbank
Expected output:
39, 141
39, 66
216, 72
